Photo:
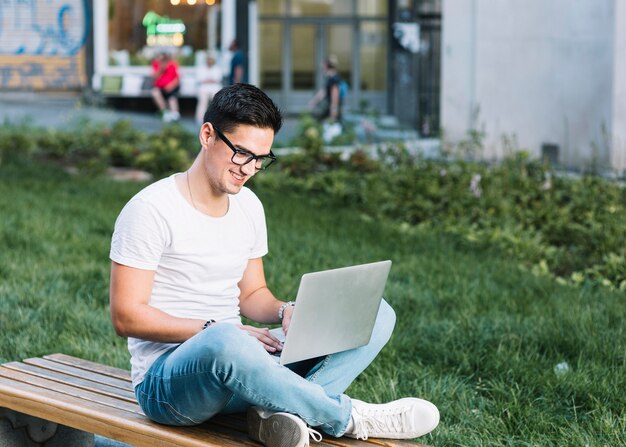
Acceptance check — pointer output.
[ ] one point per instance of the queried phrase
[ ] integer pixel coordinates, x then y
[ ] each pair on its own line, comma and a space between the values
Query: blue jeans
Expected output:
224, 370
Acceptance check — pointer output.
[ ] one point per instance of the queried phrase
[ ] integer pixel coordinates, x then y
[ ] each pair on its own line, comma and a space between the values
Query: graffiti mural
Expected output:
42, 44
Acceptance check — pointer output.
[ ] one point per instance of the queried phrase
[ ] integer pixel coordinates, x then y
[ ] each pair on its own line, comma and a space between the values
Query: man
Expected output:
237, 69
166, 86
187, 262
330, 92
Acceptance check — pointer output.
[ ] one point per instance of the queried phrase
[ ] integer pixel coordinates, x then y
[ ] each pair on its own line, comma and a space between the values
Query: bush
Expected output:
16, 143
551, 223
163, 157
122, 143
188, 141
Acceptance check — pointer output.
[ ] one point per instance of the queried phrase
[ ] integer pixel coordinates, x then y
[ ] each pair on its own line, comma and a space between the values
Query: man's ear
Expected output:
206, 132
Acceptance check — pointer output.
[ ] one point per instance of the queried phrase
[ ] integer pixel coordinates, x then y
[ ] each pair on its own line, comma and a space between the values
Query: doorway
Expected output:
292, 52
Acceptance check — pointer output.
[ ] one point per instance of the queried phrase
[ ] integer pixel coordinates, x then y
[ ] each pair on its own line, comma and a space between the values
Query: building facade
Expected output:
549, 76
44, 45
388, 50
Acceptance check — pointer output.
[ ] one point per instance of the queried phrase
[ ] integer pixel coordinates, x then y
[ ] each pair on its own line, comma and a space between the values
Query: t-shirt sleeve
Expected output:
139, 237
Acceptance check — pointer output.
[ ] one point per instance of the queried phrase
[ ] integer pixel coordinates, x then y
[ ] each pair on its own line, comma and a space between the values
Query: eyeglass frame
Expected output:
250, 155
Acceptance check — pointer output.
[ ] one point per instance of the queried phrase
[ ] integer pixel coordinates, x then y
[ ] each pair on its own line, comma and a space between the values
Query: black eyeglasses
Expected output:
242, 157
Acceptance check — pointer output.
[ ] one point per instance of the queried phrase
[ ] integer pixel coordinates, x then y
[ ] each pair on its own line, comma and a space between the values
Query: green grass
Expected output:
475, 334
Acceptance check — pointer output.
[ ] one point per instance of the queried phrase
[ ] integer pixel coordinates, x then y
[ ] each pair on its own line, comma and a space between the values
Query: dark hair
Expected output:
243, 104
331, 61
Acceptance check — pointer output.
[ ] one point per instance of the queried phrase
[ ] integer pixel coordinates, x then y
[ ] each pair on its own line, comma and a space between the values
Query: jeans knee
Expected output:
385, 322
224, 343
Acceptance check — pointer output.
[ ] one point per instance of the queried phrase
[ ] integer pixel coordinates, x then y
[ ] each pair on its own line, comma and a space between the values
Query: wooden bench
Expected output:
58, 396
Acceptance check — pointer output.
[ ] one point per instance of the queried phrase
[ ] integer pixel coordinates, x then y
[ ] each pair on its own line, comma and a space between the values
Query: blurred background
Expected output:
548, 76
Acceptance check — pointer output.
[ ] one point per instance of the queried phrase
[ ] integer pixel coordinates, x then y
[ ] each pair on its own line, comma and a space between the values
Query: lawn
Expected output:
475, 335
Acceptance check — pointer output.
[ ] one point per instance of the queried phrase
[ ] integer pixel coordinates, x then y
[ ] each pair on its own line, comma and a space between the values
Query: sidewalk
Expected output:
66, 110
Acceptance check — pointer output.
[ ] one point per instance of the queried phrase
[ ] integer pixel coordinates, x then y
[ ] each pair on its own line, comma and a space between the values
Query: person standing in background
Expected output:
330, 93
166, 86
237, 70
210, 82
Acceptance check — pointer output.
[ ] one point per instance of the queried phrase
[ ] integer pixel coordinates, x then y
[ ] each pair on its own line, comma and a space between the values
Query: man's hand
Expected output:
269, 342
287, 313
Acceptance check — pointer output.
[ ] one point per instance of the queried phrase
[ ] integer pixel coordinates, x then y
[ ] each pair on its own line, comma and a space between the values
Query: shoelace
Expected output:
317, 436
380, 420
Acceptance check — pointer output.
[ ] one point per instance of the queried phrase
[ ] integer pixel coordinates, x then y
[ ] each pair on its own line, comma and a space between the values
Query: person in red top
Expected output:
166, 86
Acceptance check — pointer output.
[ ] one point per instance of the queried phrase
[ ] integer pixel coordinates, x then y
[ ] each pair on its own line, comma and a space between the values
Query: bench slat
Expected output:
87, 365
125, 394
106, 421
78, 372
70, 390
99, 399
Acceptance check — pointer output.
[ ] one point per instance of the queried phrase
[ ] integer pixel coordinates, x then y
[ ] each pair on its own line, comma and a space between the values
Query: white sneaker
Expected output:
401, 419
167, 116
279, 429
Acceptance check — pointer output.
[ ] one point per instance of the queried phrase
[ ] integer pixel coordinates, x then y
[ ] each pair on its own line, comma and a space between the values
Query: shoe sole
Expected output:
277, 430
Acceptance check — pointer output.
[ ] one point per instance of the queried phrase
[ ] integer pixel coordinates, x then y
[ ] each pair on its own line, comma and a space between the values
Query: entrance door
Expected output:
292, 52
308, 44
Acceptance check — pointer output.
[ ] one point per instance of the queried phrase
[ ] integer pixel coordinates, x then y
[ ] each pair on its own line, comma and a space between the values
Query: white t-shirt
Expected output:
198, 259
210, 78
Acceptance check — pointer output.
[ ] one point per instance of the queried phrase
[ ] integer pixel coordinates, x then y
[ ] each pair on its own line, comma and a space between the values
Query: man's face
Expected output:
226, 177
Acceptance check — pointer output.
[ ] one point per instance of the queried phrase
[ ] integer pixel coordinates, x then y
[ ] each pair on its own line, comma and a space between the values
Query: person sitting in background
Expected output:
166, 86
210, 82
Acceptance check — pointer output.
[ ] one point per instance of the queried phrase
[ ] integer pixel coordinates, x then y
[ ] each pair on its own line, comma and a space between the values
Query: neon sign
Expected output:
163, 31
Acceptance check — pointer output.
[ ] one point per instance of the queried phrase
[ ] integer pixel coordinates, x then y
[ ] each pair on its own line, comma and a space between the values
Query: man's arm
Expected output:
257, 303
238, 74
256, 300
334, 101
131, 314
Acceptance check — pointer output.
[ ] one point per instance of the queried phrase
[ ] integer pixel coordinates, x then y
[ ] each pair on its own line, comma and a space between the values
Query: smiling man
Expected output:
187, 264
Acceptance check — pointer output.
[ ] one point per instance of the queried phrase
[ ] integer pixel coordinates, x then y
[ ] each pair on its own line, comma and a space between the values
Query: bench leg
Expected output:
22, 430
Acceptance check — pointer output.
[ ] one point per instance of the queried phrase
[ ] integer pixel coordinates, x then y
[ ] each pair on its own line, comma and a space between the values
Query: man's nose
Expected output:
249, 168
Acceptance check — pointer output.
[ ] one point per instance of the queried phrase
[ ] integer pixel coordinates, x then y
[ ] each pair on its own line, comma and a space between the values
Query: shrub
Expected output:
122, 143
552, 223
163, 157
187, 141
16, 143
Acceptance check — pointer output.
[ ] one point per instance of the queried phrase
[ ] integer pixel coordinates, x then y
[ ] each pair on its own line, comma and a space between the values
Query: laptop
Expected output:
335, 311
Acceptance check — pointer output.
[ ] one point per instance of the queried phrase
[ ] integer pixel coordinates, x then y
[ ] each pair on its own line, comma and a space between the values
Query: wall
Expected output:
618, 153
43, 44
540, 71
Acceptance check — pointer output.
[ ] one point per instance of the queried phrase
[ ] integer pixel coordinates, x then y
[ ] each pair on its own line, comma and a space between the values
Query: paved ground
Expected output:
65, 110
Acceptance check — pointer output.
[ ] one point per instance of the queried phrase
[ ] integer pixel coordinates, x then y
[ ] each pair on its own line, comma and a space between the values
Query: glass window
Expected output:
270, 59
339, 43
372, 8
272, 7
373, 51
303, 8
303, 56
138, 31
430, 6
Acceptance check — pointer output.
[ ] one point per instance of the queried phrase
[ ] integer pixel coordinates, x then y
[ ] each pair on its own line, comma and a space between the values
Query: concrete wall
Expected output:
618, 153
538, 70
42, 44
